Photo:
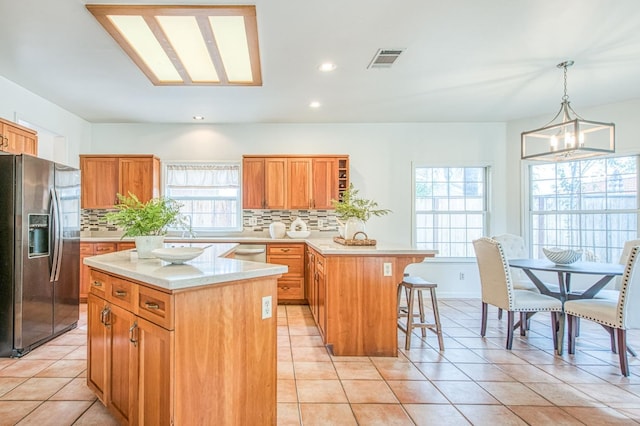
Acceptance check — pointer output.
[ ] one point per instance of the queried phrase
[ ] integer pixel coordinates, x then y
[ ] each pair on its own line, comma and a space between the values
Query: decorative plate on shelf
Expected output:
177, 255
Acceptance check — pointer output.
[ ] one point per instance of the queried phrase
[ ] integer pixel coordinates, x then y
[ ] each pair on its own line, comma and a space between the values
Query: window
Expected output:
209, 194
451, 208
587, 204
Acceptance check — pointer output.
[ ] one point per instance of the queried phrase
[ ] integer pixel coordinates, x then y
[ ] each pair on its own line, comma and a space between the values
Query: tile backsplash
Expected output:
252, 220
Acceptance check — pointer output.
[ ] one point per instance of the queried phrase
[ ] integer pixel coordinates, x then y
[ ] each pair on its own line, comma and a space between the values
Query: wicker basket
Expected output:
355, 242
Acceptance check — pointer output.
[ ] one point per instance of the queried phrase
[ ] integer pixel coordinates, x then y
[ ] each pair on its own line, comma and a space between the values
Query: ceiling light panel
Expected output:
187, 45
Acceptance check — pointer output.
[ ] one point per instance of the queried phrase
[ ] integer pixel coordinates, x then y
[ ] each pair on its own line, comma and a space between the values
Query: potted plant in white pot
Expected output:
353, 212
146, 222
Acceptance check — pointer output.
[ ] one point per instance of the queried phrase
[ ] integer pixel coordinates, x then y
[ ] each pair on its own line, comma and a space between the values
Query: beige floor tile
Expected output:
283, 340
599, 416
427, 354
327, 414
570, 373
490, 415
64, 368
381, 414
71, 339
50, 351
285, 370
25, 367
304, 330
301, 341
544, 416
485, 372
444, 415
314, 370
96, 415
527, 373
398, 370
441, 371
513, 393
288, 414
56, 413
79, 353
357, 371
11, 412
499, 356
465, 393
463, 355
310, 354
9, 383
36, 388
564, 395
75, 390
610, 395
323, 391
416, 392
368, 391
284, 354
287, 391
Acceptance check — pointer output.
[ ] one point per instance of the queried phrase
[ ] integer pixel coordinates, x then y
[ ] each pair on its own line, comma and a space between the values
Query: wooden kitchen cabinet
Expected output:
104, 176
17, 139
291, 284
293, 182
155, 358
93, 249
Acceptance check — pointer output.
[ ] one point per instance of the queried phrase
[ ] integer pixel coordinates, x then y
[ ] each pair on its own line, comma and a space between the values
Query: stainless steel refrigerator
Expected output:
39, 251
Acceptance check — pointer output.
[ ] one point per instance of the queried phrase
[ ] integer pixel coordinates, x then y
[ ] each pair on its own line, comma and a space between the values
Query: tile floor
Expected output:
474, 381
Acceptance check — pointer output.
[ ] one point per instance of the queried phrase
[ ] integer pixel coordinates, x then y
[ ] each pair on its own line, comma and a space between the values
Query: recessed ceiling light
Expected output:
189, 44
327, 66
314, 104
198, 117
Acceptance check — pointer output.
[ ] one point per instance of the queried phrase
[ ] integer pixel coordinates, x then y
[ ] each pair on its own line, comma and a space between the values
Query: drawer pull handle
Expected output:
285, 250
132, 338
121, 293
150, 305
97, 284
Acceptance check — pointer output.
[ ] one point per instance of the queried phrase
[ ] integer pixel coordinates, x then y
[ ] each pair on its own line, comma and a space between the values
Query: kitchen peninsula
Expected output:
183, 344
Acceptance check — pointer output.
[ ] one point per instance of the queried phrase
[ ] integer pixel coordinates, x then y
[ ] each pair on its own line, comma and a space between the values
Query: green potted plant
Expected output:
353, 212
146, 222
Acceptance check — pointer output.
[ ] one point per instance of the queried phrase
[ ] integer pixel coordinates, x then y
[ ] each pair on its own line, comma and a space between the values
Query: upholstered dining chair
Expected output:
498, 290
616, 316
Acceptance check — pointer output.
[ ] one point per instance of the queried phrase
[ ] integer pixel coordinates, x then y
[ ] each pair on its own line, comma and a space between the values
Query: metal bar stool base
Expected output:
413, 286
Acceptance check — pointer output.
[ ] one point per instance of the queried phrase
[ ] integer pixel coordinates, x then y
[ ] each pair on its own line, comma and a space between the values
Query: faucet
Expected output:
189, 229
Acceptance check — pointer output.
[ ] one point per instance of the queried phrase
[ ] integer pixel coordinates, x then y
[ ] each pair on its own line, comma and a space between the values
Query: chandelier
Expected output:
570, 138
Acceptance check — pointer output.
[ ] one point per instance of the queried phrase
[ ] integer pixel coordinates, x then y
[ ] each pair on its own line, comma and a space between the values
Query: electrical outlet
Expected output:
253, 221
266, 307
320, 223
461, 276
388, 271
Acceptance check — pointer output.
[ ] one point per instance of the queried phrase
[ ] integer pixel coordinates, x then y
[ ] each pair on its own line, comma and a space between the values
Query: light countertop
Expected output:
209, 268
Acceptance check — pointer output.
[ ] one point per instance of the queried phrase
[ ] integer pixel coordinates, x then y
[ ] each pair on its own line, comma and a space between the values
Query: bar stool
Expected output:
411, 286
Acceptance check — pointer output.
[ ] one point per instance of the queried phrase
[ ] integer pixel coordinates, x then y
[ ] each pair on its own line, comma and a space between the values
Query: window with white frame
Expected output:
450, 208
586, 204
209, 194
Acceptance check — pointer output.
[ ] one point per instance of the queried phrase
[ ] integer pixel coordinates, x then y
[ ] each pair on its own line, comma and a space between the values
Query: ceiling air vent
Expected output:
384, 58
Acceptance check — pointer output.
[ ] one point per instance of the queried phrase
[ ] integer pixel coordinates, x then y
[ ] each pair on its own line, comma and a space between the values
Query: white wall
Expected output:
17, 103
381, 163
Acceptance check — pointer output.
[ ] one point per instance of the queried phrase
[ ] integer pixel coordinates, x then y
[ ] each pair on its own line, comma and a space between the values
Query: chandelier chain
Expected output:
565, 97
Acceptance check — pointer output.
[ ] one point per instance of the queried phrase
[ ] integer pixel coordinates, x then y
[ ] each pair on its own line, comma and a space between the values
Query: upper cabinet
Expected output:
17, 139
293, 182
104, 176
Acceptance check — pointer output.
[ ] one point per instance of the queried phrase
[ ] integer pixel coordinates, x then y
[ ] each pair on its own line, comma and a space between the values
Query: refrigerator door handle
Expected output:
59, 239
54, 226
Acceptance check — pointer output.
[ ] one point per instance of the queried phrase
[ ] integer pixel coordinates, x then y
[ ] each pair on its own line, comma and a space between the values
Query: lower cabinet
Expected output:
193, 356
316, 288
290, 285
93, 249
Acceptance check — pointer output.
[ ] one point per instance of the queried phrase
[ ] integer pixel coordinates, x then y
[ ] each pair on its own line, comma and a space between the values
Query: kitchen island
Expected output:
352, 293
183, 344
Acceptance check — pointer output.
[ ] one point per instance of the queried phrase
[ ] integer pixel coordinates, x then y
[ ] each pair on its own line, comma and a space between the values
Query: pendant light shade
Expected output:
568, 136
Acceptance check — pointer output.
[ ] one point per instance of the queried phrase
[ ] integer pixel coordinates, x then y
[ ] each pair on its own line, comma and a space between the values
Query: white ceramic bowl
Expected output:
562, 256
177, 254
298, 234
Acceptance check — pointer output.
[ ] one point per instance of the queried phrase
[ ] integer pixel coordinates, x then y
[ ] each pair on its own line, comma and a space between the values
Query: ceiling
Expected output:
465, 61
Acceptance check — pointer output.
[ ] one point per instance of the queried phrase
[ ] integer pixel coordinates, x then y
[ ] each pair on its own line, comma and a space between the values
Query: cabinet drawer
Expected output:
126, 246
100, 283
294, 249
294, 263
290, 289
123, 293
86, 248
102, 248
155, 306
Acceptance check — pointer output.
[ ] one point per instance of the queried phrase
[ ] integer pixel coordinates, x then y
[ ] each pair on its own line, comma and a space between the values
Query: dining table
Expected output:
605, 271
